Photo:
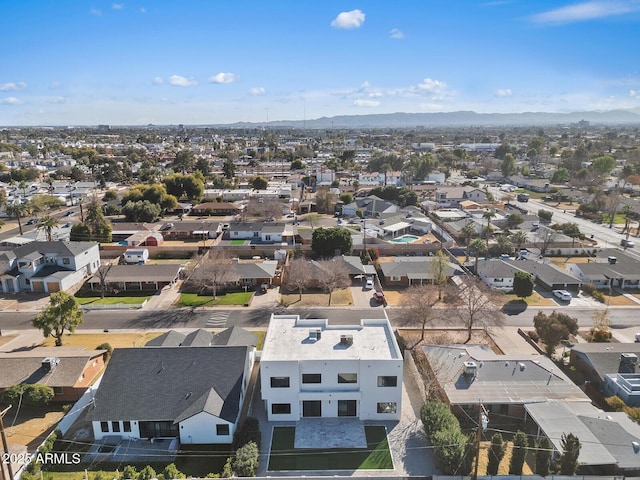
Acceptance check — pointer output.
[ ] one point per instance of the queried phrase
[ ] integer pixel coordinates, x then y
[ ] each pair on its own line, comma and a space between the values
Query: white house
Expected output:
310, 368
136, 255
47, 266
191, 393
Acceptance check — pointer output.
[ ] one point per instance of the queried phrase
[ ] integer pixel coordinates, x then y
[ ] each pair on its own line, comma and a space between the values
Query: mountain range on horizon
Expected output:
454, 119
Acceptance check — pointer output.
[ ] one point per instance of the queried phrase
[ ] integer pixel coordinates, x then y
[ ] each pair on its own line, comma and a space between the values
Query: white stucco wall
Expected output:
201, 428
98, 434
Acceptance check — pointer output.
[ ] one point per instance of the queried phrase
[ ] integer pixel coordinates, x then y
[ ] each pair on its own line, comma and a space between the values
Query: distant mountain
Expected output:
456, 119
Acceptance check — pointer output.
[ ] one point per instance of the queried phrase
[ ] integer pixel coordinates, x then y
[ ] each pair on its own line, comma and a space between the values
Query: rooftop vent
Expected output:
50, 363
470, 369
629, 358
522, 366
314, 335
346, 340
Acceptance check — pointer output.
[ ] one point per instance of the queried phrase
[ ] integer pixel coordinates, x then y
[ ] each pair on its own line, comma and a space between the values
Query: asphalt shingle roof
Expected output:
171, 384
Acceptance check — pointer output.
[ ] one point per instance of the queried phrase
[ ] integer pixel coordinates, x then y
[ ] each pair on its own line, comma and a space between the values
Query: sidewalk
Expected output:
510, 342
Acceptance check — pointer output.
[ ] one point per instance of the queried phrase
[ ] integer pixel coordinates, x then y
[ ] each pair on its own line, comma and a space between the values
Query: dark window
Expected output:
57, 390
280, 408
311, 408
347, 378
387, 381
158, 429
387, 407
311, 378
66, 261
279, 382
115, 426
222, 429
347, 408
104, 426
126, 426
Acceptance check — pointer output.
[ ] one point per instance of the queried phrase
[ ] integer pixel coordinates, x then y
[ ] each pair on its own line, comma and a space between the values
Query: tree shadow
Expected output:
514, 307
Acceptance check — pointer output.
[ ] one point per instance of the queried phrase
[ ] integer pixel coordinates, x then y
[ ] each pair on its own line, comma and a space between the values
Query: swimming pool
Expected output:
405, 239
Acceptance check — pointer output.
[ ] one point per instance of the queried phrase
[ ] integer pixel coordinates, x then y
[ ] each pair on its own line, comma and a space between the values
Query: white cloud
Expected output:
396, 33
12, 86
158, 81
580, 12
223, 77
96, 12
503, 92
180, 81
348, 20
117, 6
10, 101
634, 93
57, 100
437, 89
255, 91
366, 103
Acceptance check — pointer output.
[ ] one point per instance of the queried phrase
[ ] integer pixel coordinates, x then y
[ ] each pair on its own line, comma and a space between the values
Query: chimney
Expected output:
628, 362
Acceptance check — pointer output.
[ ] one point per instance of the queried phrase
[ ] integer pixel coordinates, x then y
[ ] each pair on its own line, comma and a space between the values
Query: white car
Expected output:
563, 295
369, 283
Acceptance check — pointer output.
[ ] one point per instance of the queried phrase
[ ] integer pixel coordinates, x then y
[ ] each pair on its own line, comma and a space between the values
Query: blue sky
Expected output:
73, 62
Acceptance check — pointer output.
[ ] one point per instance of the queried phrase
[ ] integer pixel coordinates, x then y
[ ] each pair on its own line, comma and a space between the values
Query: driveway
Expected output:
362, 296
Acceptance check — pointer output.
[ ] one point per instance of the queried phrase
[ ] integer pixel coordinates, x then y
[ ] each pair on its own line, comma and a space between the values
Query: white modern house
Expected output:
311, 368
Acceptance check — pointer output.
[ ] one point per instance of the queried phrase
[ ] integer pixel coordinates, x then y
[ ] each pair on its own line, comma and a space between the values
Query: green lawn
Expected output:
284, 456
237, 242
618, 218
195, 300
129, 300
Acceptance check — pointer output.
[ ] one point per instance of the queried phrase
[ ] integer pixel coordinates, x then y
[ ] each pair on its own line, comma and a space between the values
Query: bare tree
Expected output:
418, 303
298, 274
333, 275
438, 268
265, 209
212, 271
544, 237
102, 273
475, 306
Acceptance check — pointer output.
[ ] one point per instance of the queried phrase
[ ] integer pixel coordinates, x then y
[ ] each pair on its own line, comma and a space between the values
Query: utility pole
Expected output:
482, 424
5, 447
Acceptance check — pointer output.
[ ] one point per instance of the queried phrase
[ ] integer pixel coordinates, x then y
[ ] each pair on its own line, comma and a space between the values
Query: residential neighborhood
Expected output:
313, 301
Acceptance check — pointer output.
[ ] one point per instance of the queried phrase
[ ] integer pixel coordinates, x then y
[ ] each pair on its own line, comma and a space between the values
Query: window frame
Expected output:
277, 406
220, 429
275, 380
384, 381
311, 378
343, 380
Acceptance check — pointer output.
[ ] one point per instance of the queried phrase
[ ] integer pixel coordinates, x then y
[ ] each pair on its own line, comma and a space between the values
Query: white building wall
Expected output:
98, 434
202, 428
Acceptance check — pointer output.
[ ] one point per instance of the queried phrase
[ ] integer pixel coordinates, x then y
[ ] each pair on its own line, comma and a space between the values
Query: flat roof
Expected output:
288, 338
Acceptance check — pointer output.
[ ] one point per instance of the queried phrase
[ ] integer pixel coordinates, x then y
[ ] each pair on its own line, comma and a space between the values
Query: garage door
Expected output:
38, 286
53, 286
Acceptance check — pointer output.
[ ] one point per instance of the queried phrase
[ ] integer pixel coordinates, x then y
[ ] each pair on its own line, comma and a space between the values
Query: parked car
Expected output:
563, 295
369, 283
379, 297
70, 213
32, 221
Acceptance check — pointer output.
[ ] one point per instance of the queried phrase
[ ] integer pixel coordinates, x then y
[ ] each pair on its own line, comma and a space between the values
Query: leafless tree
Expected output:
298, 274
544, 237
262, 208
102, 273
211, 271
325, 200
418, 303
474, 302
333, 275
438, 269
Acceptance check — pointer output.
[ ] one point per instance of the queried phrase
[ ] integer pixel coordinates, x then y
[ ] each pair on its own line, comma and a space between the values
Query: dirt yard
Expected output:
92, 340
340, 297
32, 424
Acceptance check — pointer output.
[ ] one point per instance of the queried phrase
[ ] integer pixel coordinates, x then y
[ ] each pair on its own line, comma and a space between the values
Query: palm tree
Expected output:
468, 231
627, 210
18, 210
518, 238
47, 224
479, 248
488, 214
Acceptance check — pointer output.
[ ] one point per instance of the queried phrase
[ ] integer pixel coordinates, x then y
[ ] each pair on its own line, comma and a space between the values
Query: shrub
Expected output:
598, 295
33, 395
533, 335
436, 416
147, 473
246, 461
171, 472
449, 449
588, 288
496, 452
129, 472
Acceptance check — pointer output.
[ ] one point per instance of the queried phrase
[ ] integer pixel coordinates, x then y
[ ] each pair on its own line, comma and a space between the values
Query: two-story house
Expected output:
48, 266
310, 368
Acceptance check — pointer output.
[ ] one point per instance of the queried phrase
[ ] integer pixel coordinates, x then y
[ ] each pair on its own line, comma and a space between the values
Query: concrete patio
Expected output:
118, 450
330, 433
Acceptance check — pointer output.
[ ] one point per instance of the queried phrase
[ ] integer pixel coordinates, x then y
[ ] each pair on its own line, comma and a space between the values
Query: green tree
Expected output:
185, 161
229, 169
63, 313
99, 227
188, 186
436, 416
522, 284
545, 215
259, 183
129, 473
155, 193
438, 268
518, 238
18, 210
202, 166
496, 452
518, 453
141, 211
34, 395
246, 461
561, 175
553, 328
479, 247
508, 165
570, 453
297, 164
47, 224
603, 165
326, 241
346, 198
543, 457
488, 214
449, 450
80, 233
110, 195
514, 220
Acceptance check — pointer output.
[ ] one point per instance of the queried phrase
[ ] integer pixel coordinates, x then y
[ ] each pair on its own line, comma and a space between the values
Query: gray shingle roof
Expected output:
60, 247
198, 338
167, 339
171, 384
604, 358
163, 272
235, 336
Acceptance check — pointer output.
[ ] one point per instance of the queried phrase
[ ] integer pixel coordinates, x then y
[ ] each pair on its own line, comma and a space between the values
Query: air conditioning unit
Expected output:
629, 359
50, 363
470, 369
315, 335
346, 340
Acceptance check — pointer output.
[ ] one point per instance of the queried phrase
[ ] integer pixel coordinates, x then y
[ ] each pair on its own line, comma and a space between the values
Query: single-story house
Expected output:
622, 274
217, 208
547, 275
405, 271
194, 394
68, 370
136, 277
596, 360
496, 273
251, 273
191, 230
